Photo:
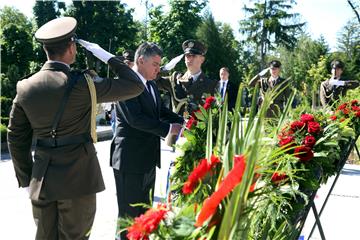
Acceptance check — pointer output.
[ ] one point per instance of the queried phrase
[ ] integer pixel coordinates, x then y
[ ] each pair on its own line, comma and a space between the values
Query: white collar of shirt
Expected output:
144, 82
223, 81
53, 61
273, 79
140, 76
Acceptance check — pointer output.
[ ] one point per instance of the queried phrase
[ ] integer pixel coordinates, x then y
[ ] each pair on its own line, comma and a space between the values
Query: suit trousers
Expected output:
64, 219
133, 188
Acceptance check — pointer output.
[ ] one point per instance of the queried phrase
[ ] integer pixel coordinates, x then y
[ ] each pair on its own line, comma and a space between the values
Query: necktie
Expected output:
222, 91
190, 80
148, 86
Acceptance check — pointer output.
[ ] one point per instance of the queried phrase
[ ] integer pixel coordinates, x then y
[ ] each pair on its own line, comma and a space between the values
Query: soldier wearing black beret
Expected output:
269, 83
331, 89
57, 107
188, 89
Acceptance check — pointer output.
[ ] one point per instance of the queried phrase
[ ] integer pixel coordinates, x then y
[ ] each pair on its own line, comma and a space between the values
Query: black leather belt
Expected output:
63, 141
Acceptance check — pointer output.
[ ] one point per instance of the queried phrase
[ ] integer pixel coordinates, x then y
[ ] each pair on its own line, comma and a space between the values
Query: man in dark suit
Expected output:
333, 88
224, 86
135, 149
189, 88
267, 84
55, 106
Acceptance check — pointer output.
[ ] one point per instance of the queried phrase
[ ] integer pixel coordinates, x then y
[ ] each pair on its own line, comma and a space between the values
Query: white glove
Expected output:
335, 82
96, 50
170, 65
263, 72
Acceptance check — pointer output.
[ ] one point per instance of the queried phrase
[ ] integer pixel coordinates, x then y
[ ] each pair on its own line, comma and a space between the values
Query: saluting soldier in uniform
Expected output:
188, 88
333, 88
58, 107
266, 84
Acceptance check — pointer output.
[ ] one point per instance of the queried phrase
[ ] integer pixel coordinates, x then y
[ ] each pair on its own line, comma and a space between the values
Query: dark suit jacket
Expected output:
231, 91
140, 124
68, 171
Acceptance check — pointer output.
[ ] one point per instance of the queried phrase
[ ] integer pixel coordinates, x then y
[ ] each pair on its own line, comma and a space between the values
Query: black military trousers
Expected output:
133, 188
69, 219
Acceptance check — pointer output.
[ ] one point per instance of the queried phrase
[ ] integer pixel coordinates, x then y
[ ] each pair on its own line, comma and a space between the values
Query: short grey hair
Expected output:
147, 50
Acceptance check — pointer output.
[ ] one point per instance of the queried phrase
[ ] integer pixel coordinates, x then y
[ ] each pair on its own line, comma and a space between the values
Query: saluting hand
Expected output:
96, 50
263, 72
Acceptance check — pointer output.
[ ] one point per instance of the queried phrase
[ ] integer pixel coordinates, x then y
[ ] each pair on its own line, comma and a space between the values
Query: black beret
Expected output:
337, 64
194, 47
57, 30
275, 64
129, 55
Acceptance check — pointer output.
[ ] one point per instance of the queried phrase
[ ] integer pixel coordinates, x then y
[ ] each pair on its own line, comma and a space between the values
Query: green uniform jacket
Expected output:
279, 102
329, 94
73, 170
182, 89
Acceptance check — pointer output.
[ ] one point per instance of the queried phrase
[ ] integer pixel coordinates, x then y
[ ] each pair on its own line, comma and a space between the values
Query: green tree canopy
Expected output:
107, 23
270, 24
349, 49
16, 54
172, 29
222, 48
16, 44
298, 62
45, 11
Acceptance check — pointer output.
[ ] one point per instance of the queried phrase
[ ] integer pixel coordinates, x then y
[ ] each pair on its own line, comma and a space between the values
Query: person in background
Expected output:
135, 149
57, 107
188, 88
333, 88
269, 83
225, 87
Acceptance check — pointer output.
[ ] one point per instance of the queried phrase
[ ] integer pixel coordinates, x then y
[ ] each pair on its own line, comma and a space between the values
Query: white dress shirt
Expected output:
225, 82
144, 82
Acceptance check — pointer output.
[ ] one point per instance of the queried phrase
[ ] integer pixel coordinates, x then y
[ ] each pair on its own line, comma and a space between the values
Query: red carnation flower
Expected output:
354, 102
333, 117
286, 140
309, 141
303, 153
346, 111
313, 127
278, 177
191, 122
208, 102
355, 108
146, 223
357, 114
342, 106
307, 118
297, 125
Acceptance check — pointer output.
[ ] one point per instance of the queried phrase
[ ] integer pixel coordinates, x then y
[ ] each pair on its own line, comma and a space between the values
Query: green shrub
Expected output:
5, 109
3, 130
